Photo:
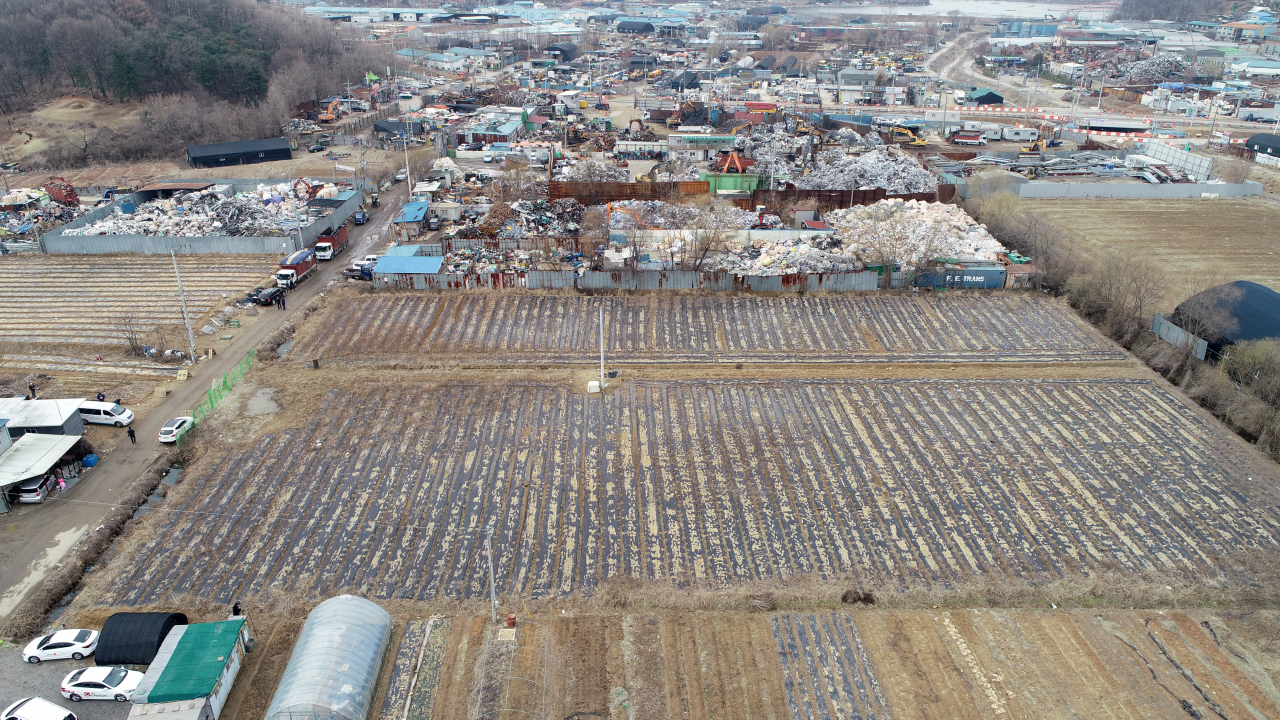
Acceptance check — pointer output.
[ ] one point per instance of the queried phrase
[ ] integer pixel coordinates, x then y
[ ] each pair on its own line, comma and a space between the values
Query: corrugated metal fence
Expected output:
633, 280
1178, 337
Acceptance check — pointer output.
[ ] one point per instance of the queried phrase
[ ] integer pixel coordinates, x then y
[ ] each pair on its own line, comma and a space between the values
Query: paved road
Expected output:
34, 541
23, 680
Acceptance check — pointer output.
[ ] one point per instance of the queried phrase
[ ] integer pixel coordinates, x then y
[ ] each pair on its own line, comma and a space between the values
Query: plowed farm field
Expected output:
387, 492
867, 664
66, 300
679, 329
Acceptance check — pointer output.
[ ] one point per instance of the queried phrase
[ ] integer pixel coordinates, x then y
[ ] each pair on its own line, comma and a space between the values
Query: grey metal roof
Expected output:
39, 413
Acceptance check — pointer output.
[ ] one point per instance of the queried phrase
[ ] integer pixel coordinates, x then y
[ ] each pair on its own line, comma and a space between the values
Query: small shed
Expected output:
419, 272
193, 671
409, 220
1264, 144
564, 52
333, 671
984, 96
244, 152
31, 455
129, 638
44, 417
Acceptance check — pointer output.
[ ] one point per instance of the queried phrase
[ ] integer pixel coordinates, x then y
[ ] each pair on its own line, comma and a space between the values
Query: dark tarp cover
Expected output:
1237, 311
134, 638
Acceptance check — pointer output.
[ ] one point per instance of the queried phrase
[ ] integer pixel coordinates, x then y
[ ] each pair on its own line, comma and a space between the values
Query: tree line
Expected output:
206, 70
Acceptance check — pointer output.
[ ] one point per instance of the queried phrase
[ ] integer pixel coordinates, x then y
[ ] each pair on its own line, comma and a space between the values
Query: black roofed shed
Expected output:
242, 152
134, 638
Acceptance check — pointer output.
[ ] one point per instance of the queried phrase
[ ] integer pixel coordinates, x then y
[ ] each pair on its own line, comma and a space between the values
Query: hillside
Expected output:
174, 72
1179, 10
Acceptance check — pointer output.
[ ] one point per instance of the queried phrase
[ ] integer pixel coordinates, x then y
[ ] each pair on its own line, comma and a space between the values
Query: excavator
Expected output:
736, 129
610, 209
1041, 145
330, 113
905, 136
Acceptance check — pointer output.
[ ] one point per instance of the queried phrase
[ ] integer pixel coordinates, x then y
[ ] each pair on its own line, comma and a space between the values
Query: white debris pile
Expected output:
678, 173
597, 172
775, 153
445, 164
271, 211
850, 137
895, 172
659, 215
909, 234
1158, 67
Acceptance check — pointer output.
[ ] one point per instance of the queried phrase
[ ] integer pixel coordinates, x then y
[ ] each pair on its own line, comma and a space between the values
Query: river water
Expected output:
971, 8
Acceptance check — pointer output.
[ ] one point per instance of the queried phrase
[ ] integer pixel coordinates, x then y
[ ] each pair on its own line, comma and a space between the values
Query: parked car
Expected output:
368, 260
433, 223
268, 296
488, 157
360, 217
602, 106
401, 175
36, 708
176, 428
105, 413
101, 683
64, 644
36, 489
316, 148
1060, 86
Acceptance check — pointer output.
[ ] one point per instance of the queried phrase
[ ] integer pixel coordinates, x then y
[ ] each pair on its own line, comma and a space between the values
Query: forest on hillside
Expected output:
203, 70
1177, 10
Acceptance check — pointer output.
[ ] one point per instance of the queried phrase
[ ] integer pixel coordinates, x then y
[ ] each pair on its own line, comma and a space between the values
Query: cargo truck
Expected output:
296, 268
331, 242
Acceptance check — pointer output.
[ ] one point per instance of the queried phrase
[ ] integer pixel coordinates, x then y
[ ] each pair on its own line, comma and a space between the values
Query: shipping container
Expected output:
977, 278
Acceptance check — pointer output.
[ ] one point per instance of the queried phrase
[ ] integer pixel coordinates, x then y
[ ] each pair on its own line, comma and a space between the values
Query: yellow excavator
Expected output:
610, 209
905, 136
736, 129
330, 113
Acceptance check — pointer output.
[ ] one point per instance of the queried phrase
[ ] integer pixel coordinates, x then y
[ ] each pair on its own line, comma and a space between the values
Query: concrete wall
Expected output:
55, 243
1047, 190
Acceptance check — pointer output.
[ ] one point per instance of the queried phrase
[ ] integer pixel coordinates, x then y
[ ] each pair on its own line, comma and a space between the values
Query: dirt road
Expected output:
36, 541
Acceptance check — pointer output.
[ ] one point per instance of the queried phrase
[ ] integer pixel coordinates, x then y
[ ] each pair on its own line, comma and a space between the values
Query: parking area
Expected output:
23, 680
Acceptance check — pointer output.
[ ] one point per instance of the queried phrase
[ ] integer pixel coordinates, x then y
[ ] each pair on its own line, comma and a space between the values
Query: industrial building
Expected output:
243, 152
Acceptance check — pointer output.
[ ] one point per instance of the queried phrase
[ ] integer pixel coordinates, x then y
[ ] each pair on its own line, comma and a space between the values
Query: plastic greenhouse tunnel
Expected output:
333, 671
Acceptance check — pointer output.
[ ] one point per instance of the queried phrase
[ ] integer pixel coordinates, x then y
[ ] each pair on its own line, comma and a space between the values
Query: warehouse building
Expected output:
635, 27
1264, 144
1230, 313
984, 96
244, 152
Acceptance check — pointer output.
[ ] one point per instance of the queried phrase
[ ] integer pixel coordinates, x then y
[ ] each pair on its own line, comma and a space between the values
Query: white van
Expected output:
36, 708
105, 413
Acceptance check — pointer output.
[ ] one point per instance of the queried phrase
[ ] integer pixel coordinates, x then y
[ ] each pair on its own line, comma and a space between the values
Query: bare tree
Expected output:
707, 234
129, 328
1118, 293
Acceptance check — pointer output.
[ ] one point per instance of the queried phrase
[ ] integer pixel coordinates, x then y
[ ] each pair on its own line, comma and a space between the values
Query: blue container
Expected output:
126, 208
89, 460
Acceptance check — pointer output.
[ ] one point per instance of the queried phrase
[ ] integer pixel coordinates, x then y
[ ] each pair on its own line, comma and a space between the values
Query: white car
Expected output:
1060, 86
488, 157
64, 644
101, 683
368, 260
176, 428
35, 708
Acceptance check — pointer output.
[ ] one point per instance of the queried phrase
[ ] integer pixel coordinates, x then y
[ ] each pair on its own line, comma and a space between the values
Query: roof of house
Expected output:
414, 265
33, 454
38, 413
190, 662
1267, 140
413, 212
814, 225
441, 57
410, 52
239, 146
635, 26
469, 52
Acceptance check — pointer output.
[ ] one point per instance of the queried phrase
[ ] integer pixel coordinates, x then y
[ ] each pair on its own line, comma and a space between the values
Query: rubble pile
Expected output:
907, 233
1158, 67
678, 173
666, 216
595, 171
482, 260
299, 125
896, 173
556, 218
17, 222
272, 211
775, 153
847, 136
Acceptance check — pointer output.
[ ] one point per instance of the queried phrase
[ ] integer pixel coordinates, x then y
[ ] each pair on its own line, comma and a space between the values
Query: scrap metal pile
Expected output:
850, 137
273, 211
1080, 163
512, 221
667, 216
594, 171
1158, 67
910, 234
775, 153
896, 172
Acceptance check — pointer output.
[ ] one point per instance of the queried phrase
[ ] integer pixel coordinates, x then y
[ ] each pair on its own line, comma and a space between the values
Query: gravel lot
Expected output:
23, 680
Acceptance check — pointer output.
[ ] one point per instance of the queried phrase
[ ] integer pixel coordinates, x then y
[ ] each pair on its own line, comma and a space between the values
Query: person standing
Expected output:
133, 438
282, 305
102, 398
32, 388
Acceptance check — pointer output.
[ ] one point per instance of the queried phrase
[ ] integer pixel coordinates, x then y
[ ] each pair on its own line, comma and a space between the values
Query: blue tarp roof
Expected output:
418, 265
413, 212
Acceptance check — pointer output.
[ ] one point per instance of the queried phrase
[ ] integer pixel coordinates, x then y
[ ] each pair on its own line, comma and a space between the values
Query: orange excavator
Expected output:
330, 113
610, 209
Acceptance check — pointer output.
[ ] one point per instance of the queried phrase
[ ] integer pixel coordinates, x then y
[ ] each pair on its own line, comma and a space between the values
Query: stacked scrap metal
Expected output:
667, 216
896, 172
267, 213
1158, 67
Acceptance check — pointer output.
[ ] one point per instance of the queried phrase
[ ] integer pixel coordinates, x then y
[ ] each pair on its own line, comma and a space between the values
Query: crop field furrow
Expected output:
714, 482
539, 329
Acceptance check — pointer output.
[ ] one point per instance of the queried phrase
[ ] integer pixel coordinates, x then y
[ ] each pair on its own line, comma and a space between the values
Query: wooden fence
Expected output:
600, 193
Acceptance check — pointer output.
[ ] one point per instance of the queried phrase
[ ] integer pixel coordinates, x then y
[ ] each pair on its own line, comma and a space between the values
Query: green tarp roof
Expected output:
190, 662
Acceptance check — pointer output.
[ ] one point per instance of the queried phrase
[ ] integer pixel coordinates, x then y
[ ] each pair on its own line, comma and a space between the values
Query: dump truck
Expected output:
331, 242
296, 268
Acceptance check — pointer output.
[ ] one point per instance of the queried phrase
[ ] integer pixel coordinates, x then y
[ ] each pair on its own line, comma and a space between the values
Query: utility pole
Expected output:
488, 548
186, 319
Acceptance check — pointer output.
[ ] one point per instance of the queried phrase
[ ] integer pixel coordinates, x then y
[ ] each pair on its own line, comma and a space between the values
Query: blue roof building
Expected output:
414, 212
